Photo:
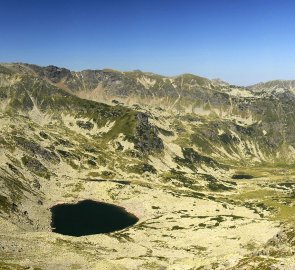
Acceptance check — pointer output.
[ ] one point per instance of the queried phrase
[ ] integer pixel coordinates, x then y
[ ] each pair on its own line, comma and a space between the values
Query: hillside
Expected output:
273, 87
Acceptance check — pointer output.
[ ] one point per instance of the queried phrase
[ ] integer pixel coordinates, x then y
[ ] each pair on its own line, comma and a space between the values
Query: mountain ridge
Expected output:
222, 103
44, 67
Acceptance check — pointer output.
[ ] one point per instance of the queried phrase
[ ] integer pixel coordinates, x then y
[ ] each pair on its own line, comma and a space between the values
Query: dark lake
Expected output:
89, 217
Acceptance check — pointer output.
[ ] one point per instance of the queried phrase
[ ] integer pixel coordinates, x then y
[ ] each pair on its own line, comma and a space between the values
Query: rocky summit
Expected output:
204, 169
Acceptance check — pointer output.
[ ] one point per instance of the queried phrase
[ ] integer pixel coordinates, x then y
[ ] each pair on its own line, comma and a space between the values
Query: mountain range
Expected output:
207, 167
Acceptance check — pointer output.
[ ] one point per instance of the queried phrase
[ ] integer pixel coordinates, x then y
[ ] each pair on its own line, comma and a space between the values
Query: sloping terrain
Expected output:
275, 86
206, 167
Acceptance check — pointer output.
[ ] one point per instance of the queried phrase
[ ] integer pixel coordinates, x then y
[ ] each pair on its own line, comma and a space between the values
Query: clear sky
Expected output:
239, 41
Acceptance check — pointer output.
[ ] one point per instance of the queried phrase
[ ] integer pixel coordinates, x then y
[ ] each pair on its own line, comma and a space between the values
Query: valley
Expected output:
206, 167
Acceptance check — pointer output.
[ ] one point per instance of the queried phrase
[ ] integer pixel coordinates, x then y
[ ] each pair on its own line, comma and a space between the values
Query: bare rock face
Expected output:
147, 135
52, 73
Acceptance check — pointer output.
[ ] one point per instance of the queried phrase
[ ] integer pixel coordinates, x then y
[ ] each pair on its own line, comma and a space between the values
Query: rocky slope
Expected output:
206, 167
273, 87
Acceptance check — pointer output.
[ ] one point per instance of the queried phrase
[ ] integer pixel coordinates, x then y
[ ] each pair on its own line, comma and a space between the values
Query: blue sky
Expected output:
240, 41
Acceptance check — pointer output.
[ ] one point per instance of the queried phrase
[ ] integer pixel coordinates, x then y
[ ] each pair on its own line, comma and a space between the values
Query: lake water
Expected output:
89, 217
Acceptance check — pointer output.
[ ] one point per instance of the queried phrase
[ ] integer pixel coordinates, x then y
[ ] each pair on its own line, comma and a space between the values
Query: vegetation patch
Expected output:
4, 204
216, 186
242, 176
192, 159
142, 168
35, 166
85, 124
36, 149
12, 266
165, 132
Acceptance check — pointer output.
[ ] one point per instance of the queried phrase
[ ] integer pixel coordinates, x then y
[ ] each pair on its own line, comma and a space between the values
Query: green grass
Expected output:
271, 199
125, 124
